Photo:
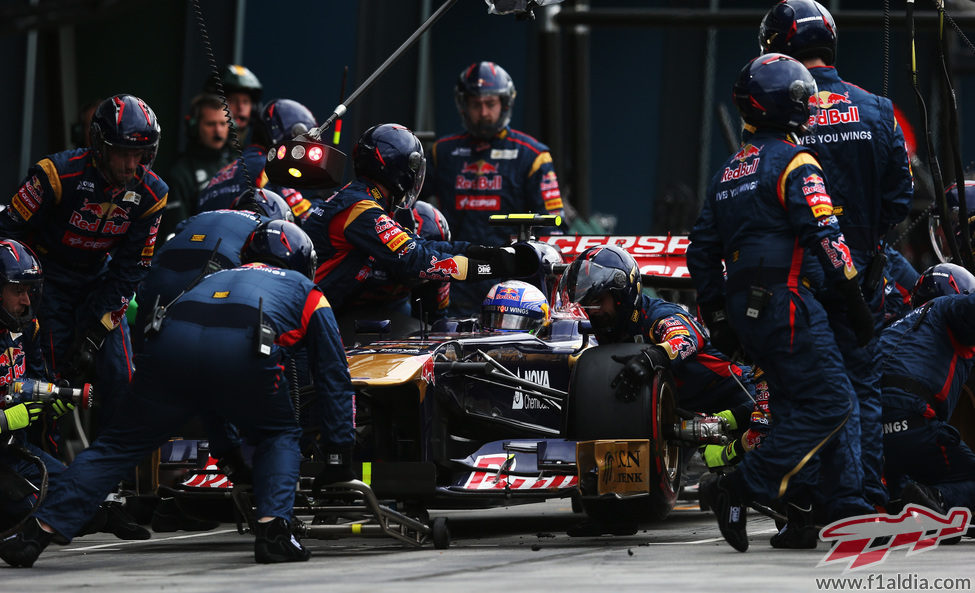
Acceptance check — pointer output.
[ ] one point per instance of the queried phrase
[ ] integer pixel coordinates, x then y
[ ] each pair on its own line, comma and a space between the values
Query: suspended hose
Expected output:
215, 72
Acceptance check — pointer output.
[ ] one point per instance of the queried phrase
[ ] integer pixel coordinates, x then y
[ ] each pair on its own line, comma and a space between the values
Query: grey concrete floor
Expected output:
513, 549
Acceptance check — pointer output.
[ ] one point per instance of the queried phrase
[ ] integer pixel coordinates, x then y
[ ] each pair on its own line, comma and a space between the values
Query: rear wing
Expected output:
662, 259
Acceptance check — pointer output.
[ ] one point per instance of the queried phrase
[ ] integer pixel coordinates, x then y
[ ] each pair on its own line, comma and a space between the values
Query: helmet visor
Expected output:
418, 164
508, 321
583, 284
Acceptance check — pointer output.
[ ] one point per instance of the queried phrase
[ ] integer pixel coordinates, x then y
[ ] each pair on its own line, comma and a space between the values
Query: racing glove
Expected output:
729, 417
235, 467
718, 456
60, 407
723, 337
19, 416
857, 312
638, 369
516, 261
338, 468
81, 356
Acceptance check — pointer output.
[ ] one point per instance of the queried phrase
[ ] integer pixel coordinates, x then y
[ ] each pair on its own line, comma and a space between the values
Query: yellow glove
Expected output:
19, 416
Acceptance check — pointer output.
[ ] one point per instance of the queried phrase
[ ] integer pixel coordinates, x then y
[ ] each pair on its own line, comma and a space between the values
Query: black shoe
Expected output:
930, 497
730, 510
95, 524
168, 516
799, 533
593, 528
23, 547
926, 496
705, 493
275, 543
121, 525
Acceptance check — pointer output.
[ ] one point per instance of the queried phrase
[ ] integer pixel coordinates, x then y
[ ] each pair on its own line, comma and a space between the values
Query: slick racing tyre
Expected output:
596, 411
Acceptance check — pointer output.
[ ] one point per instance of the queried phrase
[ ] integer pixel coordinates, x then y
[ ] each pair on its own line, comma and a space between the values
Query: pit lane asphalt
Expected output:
513, 549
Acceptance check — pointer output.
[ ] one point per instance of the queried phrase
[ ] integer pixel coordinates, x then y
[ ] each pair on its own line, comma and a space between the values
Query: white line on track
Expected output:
147, 541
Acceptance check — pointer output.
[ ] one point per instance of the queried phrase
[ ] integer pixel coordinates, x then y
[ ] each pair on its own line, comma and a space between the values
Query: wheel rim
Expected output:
665, 415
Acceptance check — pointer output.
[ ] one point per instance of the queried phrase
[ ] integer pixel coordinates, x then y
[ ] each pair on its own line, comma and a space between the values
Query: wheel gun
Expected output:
42, 391
702, 430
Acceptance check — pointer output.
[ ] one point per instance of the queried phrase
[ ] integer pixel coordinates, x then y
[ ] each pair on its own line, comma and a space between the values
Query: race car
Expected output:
472, 419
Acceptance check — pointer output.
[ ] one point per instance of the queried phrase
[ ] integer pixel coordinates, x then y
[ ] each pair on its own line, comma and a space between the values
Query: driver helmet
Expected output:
515, 306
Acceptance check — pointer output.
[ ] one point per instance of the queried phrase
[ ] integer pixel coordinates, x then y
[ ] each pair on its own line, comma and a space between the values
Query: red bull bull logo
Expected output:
827, 99
480, 167
747, 151
828, 114
814, 179
443, 267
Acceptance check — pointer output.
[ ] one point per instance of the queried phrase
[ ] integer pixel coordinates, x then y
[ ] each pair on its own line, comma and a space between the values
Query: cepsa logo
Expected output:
663, 256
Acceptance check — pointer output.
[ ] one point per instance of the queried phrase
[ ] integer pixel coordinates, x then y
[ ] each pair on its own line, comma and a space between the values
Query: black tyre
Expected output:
595, 411
441, 533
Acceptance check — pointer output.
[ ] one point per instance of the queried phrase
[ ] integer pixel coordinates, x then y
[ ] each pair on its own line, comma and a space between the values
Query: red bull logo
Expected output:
747, 151
827, 99
95, 208
844, 250
480, 167
508, 294
443, 267
816, 179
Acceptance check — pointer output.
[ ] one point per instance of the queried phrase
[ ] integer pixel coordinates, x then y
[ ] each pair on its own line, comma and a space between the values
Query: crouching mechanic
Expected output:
20, 287
928, 359
226, 339
20, 274
605, 282
354, 230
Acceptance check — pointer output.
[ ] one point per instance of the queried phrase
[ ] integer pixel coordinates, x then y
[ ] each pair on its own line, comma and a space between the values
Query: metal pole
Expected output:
239, 32
581, 118
423, 116
707, 109
30, 74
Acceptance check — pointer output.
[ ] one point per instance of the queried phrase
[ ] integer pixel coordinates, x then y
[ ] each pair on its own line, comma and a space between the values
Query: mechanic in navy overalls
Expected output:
489, 169
764, 208
21, 279
928, 359
91, 215
278, 121
354, 229
206, 242
220, 348
861, 148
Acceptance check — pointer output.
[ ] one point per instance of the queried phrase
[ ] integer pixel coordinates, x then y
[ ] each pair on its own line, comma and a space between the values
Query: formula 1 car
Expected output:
474, 419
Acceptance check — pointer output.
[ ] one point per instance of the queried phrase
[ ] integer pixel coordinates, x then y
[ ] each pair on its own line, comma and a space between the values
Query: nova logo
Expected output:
522, 401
